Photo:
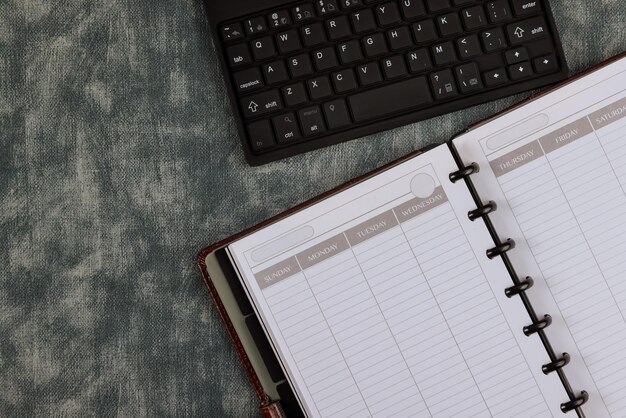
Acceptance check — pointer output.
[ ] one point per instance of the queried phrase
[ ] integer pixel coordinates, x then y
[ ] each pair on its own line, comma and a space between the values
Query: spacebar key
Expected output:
390, 99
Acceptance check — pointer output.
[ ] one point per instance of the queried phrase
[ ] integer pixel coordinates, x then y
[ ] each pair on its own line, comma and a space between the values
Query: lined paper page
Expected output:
389, 311
565, 189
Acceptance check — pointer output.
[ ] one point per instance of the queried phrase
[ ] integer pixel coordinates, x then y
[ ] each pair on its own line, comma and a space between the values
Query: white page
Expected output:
560, 176
377, 304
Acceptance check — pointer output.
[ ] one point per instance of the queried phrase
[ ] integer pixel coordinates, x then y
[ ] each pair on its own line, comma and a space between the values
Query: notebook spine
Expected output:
519, 288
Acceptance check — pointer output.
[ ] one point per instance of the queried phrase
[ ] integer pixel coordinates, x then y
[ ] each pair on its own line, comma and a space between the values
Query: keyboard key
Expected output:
279, 19
369, 74
437, 5
338, 27
286, 127
288, 41
444, 53
498, 11
526, 7
261, 104
527, 30
238, 55
399, 38
261, 135
363, 21
374, 45
449, 24
468, 77
344, 81
295, 94
312, 121
519, 71
419, 61
516, 55
325, 7
493, 40
350, 4
263, 48
337, 114
469, 46
302, 13
545, 64
319, 87
394, 67
495, 77
325, 59
412, 8
474, 18
255, 25
388, 14
275, 72
350, 52
443, 84
462, 2
424, 31
313, 34
232, 32
390, 99
248, 80
300, 66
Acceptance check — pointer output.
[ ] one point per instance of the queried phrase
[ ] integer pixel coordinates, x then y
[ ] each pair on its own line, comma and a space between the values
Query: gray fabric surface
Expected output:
118, 162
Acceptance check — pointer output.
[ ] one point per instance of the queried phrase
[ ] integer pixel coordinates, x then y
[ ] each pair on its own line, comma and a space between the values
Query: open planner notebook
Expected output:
485, 277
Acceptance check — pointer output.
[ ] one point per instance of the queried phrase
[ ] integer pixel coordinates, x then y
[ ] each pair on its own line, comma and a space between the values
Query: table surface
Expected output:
118, 161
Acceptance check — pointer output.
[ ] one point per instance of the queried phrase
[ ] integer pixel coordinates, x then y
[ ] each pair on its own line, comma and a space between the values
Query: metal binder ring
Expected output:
524, 285
501, 249
464, 172
575, 403
555, 365
482, 211
539, 325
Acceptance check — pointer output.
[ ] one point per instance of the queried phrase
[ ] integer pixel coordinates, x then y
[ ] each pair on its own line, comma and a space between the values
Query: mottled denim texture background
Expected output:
118, 162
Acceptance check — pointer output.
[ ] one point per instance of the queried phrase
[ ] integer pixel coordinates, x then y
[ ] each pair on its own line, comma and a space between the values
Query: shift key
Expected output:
527, 30
389, 100
261, 104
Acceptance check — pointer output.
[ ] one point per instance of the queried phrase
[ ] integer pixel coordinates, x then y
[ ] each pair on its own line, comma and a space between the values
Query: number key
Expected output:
325, 7
280, 18
304, 12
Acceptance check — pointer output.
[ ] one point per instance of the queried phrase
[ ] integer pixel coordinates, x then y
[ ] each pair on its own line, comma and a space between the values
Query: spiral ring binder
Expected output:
524, 285
576, 403
464, 172
539, 325
500, 249
482, 211
519, 287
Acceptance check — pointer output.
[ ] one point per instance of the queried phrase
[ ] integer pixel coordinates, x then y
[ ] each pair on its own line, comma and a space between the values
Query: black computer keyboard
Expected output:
309, 74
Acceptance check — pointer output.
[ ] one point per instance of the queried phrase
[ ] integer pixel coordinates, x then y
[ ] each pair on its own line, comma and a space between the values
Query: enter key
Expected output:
527, 30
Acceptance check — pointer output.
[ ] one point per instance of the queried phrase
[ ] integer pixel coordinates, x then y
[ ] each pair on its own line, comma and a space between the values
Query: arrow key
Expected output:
261, 104
495, 77
545, 64
516, 55
519, 71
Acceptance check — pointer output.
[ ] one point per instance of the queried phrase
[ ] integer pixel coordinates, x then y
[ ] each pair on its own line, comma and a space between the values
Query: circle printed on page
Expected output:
422, 185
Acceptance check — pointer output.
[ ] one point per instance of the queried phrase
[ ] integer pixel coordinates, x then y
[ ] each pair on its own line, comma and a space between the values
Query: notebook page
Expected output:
561, 195
379, 306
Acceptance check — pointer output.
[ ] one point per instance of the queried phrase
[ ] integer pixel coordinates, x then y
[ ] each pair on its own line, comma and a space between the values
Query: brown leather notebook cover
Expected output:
269, 408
